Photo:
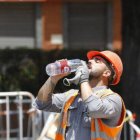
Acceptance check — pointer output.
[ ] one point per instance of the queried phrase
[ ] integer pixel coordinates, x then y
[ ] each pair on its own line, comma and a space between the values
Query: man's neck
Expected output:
94, 83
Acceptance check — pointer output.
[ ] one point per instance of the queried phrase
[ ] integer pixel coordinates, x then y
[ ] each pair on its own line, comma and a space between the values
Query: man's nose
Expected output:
89, 63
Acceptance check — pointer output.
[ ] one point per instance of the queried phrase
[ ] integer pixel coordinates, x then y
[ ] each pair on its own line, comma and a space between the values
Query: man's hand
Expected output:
56, 78
81, 75
84, 73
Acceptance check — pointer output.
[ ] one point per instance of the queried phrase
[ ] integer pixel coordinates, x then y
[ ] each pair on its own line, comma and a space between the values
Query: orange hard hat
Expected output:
114, 60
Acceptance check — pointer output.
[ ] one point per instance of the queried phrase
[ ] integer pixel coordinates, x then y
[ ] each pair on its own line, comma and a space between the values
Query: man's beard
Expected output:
91, 77
95, 75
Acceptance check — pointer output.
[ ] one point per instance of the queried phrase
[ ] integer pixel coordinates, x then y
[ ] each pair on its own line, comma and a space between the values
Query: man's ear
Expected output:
107, 73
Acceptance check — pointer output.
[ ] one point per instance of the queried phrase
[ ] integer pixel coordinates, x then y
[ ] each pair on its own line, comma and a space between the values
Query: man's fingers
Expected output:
59, 76
84, 63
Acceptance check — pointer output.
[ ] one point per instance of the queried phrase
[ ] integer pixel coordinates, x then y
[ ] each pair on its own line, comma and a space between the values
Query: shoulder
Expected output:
115, 97
116, 100
112, 97
110, 93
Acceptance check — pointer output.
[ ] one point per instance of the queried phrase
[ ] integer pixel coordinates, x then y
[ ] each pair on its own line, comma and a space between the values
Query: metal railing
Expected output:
130, 129
19, 98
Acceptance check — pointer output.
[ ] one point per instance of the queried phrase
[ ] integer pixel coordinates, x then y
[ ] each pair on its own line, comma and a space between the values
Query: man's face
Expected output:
97, 66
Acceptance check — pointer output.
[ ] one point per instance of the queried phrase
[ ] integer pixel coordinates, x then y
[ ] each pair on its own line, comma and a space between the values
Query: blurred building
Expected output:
57, 24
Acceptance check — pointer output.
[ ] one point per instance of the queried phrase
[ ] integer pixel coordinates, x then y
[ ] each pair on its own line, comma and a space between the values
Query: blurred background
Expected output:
34, 33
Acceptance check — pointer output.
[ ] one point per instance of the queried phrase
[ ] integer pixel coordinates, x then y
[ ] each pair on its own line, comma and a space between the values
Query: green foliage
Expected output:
19, 69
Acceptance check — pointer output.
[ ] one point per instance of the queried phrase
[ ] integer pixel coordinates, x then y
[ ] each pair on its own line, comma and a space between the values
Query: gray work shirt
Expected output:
80, 112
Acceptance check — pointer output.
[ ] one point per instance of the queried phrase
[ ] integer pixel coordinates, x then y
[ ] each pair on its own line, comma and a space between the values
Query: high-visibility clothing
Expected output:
99, 130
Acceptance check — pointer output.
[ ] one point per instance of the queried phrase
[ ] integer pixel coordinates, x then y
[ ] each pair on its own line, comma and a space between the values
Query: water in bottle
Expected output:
63, 66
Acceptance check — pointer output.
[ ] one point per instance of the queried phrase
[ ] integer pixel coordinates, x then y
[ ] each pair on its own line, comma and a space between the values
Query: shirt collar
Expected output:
99, 88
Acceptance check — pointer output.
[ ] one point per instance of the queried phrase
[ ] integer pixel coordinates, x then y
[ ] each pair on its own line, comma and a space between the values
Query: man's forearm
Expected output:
86, 90
49, 86
45, 90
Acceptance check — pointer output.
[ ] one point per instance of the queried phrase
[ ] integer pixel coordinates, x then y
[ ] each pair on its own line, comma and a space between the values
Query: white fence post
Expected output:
20, 95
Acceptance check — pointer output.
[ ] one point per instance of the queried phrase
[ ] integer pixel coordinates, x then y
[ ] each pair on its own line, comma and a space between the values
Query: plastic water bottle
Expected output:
63, 66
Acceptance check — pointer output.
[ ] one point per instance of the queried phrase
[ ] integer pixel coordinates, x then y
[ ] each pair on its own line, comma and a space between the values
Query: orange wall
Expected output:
52, 23
117, 26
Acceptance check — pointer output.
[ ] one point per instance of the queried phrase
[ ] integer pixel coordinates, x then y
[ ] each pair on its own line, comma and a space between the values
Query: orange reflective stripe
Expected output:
100, 125
110, 131
66, 107
92, 125
69, 102
59, 137
64, 120
103, 131
113, 132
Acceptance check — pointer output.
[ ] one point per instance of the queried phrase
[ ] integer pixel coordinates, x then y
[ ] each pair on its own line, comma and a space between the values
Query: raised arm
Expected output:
48, 87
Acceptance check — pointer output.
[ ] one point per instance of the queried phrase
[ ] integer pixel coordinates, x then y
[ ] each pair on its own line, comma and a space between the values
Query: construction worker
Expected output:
94, 112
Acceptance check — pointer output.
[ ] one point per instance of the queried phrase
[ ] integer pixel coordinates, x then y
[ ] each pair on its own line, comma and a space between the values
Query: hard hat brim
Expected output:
91, 54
